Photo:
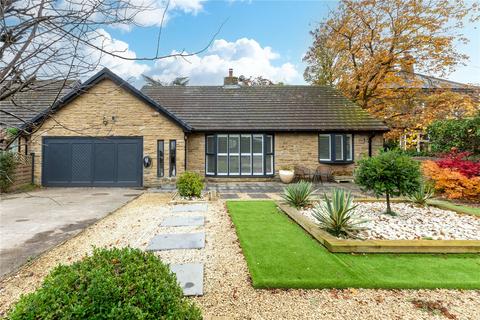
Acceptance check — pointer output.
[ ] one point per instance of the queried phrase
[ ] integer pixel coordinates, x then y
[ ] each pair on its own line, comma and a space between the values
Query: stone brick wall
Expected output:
302, 149
91, 115
196, 153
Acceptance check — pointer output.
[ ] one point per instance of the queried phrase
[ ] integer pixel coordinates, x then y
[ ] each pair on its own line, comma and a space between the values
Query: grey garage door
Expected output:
92, 162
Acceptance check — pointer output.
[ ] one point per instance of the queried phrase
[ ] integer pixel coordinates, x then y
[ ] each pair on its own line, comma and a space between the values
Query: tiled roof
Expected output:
32, 101
418, 80
101, 75
263, 108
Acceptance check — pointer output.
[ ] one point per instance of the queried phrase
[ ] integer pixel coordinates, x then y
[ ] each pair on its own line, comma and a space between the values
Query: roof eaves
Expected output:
206, 130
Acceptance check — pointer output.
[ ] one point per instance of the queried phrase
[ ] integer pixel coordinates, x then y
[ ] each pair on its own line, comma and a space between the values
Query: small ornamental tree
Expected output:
390, 173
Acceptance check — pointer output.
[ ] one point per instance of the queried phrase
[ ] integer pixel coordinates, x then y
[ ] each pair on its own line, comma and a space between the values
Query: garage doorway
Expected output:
92, 162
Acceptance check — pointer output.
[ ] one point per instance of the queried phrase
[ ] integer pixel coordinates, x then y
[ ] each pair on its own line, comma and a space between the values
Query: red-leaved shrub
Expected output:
458, 161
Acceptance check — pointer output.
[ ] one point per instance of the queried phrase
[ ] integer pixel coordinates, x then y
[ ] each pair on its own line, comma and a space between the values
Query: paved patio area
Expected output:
33, 222
264, 190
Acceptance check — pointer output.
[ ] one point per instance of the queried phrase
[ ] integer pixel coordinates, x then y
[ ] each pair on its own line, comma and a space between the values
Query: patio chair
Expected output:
317, 176
301, 173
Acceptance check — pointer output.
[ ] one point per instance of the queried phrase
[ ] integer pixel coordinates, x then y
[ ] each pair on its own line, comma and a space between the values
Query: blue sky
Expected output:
265, 38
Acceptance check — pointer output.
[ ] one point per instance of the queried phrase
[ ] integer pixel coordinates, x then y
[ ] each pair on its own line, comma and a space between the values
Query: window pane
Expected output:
222, 143
210, 144
245, 143
324, 147
246, 165
269, 164
211, 164
268, 144
257, 143
160, 158
257, 164
348, 146
222, 165
338, 147
173, 158
234, 165
234, 144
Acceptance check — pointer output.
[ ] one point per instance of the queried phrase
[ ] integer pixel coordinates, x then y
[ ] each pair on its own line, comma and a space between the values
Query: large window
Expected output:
239, 154
335, 147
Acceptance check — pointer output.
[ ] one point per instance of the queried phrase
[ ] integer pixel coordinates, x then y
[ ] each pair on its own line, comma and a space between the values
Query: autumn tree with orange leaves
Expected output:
367, 49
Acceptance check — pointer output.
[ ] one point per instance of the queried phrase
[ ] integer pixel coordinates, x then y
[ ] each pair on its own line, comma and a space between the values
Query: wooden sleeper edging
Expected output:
334, 244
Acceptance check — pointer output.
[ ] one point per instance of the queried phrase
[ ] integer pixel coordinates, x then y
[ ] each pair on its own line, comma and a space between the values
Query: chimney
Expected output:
230, 80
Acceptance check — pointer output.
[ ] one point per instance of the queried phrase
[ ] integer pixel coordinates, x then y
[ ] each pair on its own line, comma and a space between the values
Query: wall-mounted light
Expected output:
105, 121
147, 161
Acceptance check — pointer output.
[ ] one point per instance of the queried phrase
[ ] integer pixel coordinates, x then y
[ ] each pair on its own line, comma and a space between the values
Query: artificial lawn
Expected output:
280, 254
447, 205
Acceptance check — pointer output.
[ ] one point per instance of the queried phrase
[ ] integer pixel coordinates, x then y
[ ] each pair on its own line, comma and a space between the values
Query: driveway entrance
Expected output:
31, 223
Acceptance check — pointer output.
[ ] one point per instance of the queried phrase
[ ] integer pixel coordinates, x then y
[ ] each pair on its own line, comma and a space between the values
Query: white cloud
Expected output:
187, 6
124, 68
153, 11
246, 56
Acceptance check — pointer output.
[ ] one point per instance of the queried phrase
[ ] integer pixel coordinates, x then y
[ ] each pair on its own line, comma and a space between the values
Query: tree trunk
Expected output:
389, 209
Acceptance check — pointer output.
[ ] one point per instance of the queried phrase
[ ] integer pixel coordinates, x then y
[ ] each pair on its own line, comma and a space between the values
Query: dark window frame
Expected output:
240, 175
265, 154
211, 153
172, 158
160, 158
333, 159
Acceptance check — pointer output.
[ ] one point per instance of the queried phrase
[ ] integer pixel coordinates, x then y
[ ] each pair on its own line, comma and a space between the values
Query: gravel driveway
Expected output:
33, 222
228, 292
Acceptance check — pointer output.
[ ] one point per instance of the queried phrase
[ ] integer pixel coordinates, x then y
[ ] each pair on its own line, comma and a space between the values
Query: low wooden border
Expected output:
441, 206
334, 244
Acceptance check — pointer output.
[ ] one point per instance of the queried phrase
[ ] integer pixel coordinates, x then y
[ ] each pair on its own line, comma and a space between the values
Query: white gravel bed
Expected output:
227, 285
412, 222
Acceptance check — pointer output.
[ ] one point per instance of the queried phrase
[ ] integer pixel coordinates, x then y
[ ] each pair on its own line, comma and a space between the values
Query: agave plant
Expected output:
422, 194
337, 215
298, 194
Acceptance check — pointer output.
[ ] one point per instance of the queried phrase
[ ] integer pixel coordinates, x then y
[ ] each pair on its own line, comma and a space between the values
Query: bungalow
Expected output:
105, 132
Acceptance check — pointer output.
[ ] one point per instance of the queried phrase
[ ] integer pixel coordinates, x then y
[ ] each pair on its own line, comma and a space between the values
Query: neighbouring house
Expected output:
408, 124
25, 105
107, 133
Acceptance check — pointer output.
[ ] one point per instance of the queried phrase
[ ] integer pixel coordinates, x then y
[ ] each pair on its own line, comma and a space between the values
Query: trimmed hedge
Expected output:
462, 134
111, 284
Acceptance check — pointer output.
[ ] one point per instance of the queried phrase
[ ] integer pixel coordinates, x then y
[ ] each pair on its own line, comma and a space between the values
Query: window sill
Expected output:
336, 162
240, 176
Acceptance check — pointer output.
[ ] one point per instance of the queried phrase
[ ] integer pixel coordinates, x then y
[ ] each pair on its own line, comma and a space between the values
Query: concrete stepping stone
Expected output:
258, 195
189, 277
197, 207
183, 221
177, 241
229, 196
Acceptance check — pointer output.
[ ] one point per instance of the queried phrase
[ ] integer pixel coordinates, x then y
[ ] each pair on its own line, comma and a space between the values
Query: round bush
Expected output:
110, 284
190, 184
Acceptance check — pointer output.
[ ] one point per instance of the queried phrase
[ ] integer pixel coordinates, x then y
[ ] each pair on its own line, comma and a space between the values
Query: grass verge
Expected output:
280, 254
